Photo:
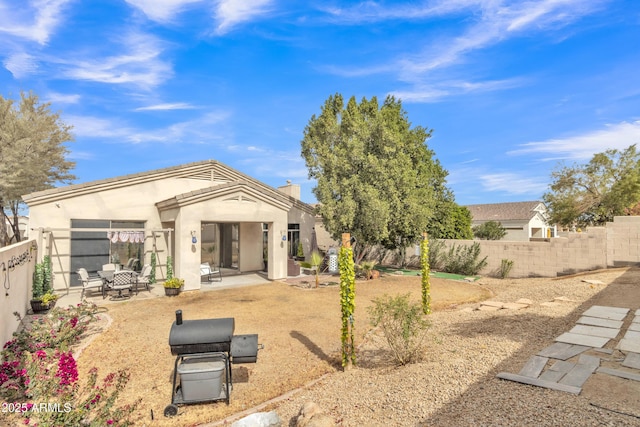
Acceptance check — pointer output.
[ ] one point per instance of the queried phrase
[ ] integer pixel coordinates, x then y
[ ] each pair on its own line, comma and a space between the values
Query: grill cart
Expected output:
205, 350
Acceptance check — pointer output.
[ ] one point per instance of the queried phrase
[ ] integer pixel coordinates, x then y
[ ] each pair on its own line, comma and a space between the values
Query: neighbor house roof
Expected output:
504, 211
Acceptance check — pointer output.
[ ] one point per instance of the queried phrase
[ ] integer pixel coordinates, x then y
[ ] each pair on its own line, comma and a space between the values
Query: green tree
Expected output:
450, 221
593, 193
490, 230
32, 155
376, 177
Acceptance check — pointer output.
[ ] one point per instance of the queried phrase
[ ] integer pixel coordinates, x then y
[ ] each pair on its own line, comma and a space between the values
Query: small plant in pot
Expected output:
300, 252
173, 286
43, 297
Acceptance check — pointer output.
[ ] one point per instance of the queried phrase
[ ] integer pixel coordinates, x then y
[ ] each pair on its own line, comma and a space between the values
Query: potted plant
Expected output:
43, 298
173, 286
300, 252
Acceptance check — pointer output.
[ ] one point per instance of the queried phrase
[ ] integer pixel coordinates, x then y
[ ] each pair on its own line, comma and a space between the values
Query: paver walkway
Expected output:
569, 362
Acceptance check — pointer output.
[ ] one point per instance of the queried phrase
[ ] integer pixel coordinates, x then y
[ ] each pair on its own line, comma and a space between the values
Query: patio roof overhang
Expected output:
238, 191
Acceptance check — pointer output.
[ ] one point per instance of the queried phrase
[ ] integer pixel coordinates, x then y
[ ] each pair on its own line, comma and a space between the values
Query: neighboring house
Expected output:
197, 212
522, 220
23, 226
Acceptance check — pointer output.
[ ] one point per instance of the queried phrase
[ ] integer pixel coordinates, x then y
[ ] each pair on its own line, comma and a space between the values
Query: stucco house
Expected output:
522, 220
197, 212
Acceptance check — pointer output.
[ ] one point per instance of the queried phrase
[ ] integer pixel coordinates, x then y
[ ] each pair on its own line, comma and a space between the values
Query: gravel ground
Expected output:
456, 384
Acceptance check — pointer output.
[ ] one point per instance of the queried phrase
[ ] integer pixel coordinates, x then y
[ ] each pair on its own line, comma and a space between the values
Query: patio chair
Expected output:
122, 280
143, 277
210, 272
89, 282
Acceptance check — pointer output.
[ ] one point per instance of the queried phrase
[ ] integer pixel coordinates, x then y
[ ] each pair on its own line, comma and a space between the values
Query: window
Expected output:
92, 249
293, 237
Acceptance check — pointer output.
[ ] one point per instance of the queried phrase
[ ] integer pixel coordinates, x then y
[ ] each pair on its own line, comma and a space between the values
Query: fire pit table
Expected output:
205, 350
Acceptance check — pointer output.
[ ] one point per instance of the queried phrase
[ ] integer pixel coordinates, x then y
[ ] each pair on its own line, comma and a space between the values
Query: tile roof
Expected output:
504, 211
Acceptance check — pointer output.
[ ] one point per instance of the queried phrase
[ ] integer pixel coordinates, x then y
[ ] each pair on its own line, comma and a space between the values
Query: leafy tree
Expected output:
490, 230
592, 194
450, 221
376, 178
32, 155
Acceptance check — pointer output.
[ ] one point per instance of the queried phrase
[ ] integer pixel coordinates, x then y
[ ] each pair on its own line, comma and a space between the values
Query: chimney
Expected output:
290, 189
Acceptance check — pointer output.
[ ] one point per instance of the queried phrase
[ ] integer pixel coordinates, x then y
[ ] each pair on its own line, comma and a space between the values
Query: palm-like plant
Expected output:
316, 261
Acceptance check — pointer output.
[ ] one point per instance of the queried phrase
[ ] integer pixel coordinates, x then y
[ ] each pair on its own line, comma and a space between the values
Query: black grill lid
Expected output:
202, 331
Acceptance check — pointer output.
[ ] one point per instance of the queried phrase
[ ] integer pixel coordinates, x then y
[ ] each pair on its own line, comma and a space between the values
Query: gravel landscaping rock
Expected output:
456, 384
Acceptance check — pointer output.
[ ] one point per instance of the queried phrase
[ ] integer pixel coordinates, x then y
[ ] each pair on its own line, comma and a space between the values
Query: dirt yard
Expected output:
299, 328
456, 384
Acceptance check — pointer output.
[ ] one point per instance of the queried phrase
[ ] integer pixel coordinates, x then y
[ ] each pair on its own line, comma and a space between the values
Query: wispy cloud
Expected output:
584, 146
162, 10
33, 20
62, 98
139, 65
168, 106
512, 183
487, 23
203, 129
21, 64
229, 13
442, 89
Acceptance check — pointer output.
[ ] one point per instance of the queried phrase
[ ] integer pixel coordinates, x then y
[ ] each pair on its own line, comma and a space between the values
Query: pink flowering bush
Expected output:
59, 329
39, 373
53, 378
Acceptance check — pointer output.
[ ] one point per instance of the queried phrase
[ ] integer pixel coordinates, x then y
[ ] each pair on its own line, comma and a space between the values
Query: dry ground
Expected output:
456, 384
299, 328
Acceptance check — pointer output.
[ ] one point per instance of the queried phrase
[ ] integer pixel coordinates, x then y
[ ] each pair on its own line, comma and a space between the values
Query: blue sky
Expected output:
510, 88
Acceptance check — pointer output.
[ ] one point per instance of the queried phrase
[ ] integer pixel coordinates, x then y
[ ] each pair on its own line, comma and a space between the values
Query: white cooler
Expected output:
201, 378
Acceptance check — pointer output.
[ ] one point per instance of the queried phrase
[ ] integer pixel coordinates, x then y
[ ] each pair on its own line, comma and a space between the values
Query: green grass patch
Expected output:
410, 272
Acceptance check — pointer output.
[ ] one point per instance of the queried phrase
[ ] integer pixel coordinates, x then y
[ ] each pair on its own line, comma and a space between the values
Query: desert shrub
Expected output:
490, 230
436, 254
505, 268
464, 259
403, 326
365, 268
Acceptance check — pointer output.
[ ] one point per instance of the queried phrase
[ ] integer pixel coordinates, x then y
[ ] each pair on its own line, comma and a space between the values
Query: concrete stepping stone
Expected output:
595, 331
563, 351
489, 308
585, 340
539, 383
524, 301
497, 304
562, 366
627, 344
634, 327
514, 306
619, 373
637, 313
553, 376
581, 372
614, 313
632, 335
597, 321
533, 367
563, 299
632, 361
593, 282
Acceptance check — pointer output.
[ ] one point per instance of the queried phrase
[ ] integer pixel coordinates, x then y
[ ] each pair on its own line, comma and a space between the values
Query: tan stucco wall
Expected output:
137, 203
17, 263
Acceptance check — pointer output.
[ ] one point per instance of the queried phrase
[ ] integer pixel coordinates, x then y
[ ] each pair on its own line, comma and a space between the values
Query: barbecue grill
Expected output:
205, 350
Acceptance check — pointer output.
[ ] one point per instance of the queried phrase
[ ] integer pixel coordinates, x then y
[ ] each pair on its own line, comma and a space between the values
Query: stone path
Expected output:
568, 363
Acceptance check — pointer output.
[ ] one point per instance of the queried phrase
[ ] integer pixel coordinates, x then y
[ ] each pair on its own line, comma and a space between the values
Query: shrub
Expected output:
367, 267
505, 268
38, 369
436, 254
464, 259
402, 325
490, 230
59, 329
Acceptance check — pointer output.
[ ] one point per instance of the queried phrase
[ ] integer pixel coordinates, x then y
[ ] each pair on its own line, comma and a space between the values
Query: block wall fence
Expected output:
17, 263
614, 245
